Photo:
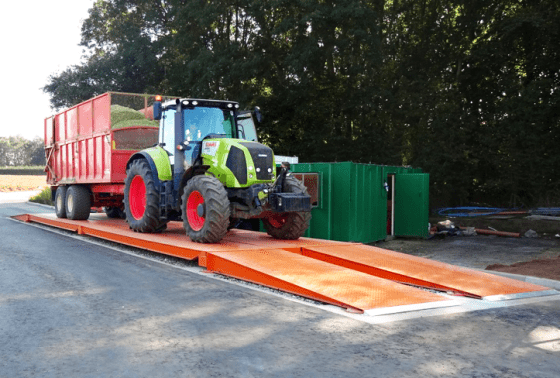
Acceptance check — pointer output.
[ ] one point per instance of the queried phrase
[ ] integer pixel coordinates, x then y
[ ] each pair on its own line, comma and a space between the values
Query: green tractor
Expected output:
209, 170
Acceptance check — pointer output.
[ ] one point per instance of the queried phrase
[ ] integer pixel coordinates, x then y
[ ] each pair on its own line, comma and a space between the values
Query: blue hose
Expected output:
546, 211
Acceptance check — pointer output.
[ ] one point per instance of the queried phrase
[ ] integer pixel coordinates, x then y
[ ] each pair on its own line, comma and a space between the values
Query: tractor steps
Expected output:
350, 275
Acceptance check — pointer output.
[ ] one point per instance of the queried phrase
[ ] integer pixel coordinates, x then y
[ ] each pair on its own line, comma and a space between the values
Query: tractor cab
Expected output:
186, 123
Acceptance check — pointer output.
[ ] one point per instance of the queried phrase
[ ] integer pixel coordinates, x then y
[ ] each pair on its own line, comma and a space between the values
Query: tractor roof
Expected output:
201, 102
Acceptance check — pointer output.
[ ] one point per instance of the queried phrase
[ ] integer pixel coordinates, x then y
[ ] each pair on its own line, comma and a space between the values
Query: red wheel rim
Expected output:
137, 197
195, 220
277, 220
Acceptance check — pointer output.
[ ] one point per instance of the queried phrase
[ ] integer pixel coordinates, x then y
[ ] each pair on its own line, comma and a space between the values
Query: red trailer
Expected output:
87, 148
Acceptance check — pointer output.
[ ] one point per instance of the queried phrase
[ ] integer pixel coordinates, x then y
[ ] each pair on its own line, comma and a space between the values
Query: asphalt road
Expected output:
69, 308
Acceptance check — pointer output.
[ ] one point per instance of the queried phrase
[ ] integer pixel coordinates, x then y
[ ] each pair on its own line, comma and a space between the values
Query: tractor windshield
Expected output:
201, 121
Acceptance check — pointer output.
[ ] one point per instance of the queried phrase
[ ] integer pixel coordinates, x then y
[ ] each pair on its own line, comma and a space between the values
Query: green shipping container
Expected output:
366, 202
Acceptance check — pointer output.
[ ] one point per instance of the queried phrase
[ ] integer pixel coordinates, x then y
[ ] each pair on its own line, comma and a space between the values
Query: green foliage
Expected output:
44, 197
468, 90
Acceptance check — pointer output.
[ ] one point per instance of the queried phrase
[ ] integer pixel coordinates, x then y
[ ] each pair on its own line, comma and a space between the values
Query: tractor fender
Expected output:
190, 173
158, 161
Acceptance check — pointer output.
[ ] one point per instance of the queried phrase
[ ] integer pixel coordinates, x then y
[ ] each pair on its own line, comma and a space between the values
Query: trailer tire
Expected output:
141, 199
289, 226
205, 209
78, 202
60, 202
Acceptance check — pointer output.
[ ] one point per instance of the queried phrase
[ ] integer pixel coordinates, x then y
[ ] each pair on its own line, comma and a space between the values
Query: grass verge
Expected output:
44, 197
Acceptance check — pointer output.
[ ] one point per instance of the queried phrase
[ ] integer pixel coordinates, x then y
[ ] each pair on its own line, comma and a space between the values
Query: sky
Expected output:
39, 38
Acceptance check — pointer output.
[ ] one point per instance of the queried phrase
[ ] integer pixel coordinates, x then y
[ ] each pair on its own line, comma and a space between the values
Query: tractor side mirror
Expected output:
258, 114
157, 110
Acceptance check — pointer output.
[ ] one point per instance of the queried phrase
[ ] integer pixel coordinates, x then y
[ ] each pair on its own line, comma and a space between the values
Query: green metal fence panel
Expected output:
411, 204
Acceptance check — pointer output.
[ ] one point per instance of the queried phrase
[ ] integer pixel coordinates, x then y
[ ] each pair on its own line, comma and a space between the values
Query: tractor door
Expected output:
411, 204
167, 132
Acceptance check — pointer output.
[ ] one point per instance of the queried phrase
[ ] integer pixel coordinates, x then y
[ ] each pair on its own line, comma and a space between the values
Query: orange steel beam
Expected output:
47, 221
317, 280
173, 242
419, 271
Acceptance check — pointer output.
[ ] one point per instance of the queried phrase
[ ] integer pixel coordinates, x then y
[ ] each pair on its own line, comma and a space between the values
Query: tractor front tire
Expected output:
60, 202
205, 209
141, 199
289, 226
78, 203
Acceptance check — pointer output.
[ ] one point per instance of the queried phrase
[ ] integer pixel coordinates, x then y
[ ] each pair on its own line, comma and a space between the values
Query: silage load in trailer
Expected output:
122, 117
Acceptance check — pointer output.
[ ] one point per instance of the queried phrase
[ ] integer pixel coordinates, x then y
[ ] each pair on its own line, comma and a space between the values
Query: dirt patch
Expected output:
544, 268
20, 183
538, 257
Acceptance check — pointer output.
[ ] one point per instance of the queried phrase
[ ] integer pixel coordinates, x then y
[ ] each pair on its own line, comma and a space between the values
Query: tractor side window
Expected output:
199, 122
167, 129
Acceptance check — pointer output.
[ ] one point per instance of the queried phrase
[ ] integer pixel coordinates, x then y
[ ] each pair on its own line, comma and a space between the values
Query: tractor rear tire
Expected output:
114, 212
60, 202
289, 226
141, 199
205, 209
78, 202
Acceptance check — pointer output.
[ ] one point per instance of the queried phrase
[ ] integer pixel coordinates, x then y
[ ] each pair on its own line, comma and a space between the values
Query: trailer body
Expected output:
89, 144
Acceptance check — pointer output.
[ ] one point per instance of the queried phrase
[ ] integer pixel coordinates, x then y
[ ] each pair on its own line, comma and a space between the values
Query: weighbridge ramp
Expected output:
354, 276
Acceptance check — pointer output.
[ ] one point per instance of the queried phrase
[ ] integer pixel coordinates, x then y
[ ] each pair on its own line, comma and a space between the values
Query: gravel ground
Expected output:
477, 251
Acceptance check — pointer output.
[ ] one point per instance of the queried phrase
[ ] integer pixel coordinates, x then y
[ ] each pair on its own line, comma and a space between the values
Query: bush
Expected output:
44, 197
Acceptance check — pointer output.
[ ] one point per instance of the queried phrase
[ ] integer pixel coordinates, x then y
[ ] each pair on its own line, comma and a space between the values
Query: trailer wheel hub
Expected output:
59, 202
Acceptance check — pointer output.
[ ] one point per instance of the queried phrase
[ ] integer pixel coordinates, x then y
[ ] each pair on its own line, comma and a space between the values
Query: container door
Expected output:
411, 204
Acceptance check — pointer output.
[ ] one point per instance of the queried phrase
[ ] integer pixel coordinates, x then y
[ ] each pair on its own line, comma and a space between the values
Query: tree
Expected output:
18, 151
467, 90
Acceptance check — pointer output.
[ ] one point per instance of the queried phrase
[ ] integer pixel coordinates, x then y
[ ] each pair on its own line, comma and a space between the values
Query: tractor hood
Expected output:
239, 163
